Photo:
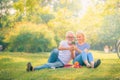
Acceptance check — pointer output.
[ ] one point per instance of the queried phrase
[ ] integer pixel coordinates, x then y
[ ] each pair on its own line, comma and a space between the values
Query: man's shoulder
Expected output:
63, 41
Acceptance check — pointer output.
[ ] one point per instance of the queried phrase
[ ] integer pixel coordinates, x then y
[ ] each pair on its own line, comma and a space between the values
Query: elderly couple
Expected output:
67, 51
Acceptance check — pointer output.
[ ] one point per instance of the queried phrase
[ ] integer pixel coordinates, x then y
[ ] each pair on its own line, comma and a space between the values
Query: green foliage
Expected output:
29, 42
46, 17
2, 37
110, 29
26, 38
5, 20
99, 19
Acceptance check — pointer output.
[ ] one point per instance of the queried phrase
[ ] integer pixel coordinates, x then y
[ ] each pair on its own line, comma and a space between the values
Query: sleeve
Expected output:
62, 43
87, 46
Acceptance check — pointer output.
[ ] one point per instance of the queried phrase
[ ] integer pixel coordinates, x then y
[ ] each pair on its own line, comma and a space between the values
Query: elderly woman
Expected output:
83, 56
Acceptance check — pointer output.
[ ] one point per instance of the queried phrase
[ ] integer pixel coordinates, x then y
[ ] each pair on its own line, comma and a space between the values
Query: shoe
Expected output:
88, 66
29, 67
97, 63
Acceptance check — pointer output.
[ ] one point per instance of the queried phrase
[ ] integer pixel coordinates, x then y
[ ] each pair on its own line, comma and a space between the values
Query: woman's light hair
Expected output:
82, 33
70, 32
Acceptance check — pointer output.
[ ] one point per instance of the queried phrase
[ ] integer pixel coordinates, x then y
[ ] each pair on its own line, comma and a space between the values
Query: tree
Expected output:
5, 19
110, 29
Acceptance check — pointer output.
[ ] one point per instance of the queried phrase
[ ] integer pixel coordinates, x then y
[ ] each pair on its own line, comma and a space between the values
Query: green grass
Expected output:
13, 67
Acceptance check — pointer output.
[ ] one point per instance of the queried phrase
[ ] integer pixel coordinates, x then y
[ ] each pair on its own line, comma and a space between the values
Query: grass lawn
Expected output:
13, 67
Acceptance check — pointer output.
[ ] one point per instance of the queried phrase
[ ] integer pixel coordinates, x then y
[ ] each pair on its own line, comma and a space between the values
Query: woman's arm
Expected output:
77, 49
86, 50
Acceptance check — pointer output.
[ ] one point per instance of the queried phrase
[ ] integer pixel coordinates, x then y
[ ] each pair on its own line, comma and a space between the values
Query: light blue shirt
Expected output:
82, 47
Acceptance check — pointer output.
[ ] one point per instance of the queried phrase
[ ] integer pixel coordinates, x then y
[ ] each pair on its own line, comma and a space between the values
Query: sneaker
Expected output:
97, 63
29, 67
88, 66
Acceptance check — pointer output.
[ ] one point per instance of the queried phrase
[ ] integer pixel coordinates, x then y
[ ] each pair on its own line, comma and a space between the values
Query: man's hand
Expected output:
72, 48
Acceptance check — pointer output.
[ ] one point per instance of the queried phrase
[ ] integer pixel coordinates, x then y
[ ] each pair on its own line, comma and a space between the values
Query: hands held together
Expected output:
74, 48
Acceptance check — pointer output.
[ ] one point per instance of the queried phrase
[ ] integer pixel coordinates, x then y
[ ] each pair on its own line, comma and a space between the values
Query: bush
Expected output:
30, 38
2, 43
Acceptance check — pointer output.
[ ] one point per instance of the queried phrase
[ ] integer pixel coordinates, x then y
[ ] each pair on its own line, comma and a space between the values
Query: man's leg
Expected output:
53, 56
56, 64
42, 67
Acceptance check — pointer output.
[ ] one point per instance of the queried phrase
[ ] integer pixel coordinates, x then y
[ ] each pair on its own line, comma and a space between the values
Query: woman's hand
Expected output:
86, 50
78, 50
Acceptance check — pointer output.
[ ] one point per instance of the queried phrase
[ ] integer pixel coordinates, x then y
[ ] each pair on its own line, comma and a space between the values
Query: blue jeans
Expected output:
53, 56
82, 57
53, 61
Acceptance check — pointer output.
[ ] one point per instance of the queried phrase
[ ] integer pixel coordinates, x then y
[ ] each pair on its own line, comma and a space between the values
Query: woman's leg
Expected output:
79, 59
90, 59
53, 56
85, 59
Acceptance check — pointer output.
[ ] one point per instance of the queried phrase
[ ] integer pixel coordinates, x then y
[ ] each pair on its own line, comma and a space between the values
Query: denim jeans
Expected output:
53, 61
82, 57
53, 56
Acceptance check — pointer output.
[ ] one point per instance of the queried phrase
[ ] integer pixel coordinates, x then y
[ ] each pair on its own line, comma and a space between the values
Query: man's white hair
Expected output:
69, 32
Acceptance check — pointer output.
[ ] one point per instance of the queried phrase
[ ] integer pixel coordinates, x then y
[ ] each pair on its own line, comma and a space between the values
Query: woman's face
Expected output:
80, 38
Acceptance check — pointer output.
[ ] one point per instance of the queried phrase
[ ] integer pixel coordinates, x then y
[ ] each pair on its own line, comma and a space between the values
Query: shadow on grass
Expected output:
6, 75
115, 69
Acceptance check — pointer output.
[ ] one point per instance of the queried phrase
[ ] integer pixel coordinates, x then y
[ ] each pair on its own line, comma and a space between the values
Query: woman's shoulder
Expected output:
83, 43
86, 43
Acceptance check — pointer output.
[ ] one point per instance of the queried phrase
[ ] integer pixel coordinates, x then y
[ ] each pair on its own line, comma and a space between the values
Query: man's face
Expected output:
70, 37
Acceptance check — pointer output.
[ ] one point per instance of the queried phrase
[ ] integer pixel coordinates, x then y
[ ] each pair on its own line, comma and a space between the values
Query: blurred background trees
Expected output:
39, 25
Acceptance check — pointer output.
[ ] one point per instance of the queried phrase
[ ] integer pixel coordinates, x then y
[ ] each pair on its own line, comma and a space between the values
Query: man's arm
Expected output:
71, 48
63, 48
73, 54
72, 51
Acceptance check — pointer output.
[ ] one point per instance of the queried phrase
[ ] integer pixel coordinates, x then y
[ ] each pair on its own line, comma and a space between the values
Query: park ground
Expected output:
13, 67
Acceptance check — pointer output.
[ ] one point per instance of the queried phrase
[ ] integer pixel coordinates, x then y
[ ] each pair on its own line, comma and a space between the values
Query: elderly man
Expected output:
61, 57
